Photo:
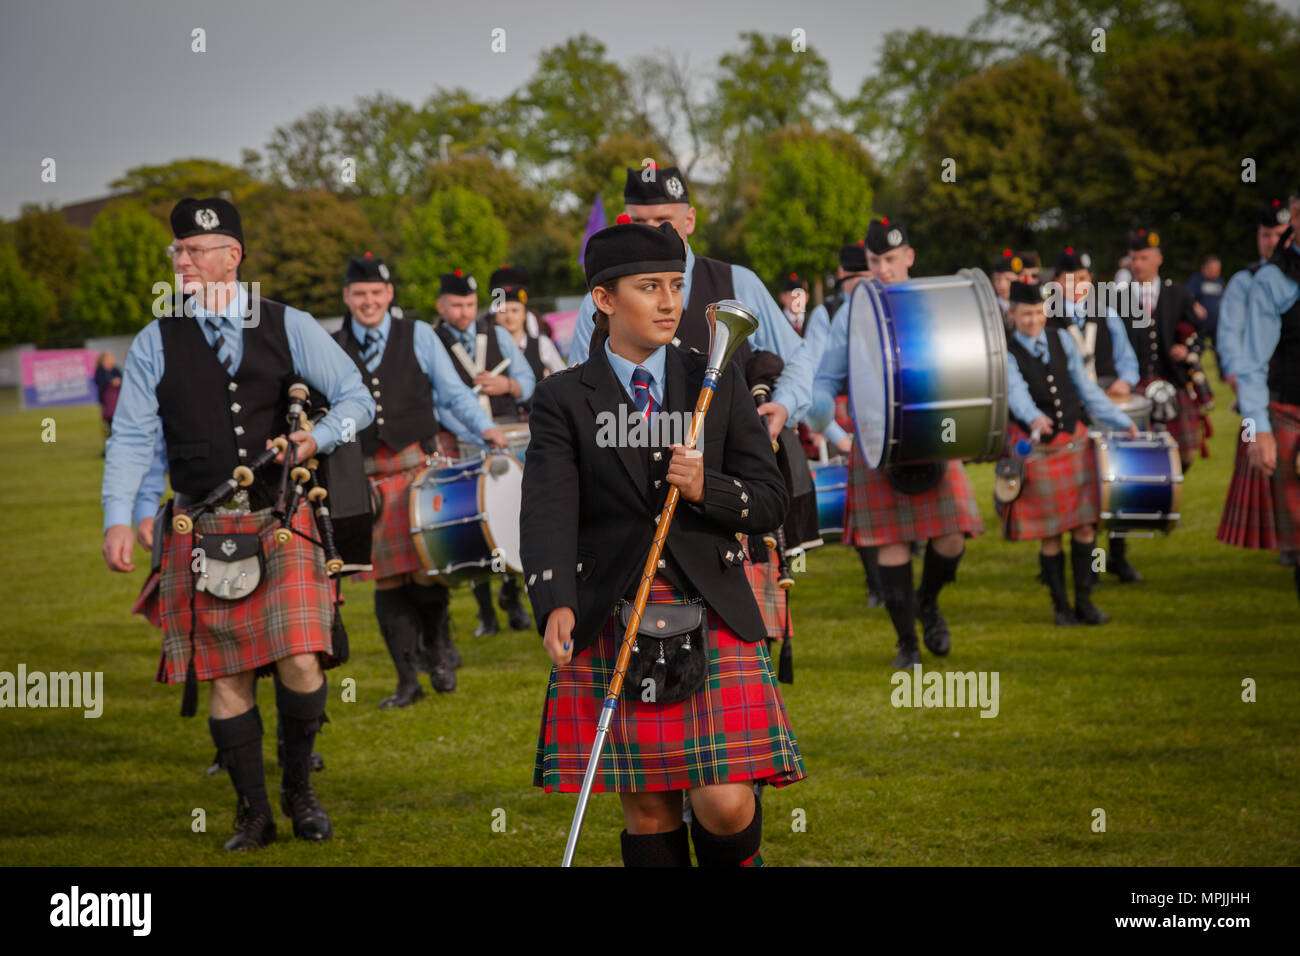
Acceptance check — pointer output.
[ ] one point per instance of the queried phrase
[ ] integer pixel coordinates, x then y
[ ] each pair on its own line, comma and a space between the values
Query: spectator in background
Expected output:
108, 383
1206, 288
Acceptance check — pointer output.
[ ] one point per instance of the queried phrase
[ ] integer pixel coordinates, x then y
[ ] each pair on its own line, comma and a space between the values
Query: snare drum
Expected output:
1141, 483
466, 513
928, 370
1137, 408
517, 439
831, 479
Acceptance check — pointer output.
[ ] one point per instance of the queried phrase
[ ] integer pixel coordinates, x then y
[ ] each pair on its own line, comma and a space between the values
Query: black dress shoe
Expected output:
310, 821
402, 697
1065, 617
487, 626
874, 599
1087, 612
908, 655
935, 633
254, 829
1126, 573
519, 619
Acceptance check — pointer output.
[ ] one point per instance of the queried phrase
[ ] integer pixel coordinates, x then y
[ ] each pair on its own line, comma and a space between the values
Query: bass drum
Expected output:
927, 370
1141, 484
465, 517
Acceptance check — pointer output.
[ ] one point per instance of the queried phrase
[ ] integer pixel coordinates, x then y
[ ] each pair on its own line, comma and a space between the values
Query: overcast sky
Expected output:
105, 86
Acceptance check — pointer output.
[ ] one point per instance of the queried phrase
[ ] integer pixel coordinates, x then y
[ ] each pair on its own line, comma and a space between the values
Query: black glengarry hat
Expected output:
853, 257
654, 187
367, 268
1026, 293
629, 248
885, 234
211, 216
457, 283
1071, 259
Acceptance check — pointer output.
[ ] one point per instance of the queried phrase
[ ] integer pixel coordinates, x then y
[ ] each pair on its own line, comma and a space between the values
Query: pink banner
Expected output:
561, 324
58, 377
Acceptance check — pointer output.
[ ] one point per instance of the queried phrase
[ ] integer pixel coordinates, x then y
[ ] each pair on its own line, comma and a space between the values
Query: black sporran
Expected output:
670, 654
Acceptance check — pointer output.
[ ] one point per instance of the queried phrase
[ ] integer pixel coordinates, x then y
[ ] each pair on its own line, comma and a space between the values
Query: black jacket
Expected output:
1175, 305
588, 512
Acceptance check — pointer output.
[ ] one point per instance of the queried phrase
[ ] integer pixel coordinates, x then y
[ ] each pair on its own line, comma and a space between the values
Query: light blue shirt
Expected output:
135, 459
1022, 405
1271, 293
1121, 349
654, 364
832, 373
820, 410
774, 334
1232, 320
518, 369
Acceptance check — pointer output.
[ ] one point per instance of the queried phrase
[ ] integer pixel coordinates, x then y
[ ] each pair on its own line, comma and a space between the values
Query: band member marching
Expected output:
486, 357
716, 724
213, 389
1054, 488
1006, 270
878, 513
513, 315
400, 360
1268, 394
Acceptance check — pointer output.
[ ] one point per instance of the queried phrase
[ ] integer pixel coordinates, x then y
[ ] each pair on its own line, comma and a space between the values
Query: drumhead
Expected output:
872, 371
500, 496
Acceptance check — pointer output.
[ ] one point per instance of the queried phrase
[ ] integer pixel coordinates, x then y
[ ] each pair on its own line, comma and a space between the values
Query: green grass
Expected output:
1142, 717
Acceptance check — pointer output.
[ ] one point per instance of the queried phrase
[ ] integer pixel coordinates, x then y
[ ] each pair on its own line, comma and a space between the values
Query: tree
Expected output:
159, 188
27, 308
813, 194
666, 94
769, 85
115, 287
50, 250
455, 229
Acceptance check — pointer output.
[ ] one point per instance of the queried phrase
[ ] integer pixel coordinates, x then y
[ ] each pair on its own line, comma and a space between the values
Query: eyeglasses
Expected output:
192, 251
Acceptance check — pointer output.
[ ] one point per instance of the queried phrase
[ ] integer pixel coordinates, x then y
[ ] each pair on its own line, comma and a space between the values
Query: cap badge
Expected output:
1085, 260
472, 283
1283, 216
383, 272
894, 237
206, 219
1016, 264
673, 186
228, 547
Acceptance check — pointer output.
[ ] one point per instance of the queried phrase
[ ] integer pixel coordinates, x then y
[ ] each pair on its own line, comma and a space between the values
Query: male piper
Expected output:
485, 356
210, 385
409, 374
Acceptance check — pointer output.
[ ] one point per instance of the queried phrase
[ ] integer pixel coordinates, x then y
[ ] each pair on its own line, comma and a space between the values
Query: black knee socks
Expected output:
735, 849
900, 600
871, 567
239, 749
399, 623
937, 571
302, 716
656, 849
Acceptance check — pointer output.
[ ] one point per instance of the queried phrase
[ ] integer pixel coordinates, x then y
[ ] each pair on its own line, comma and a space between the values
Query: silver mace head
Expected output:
730, 323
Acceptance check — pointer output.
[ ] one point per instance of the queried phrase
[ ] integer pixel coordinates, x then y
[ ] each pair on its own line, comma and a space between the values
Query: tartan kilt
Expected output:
1186, 426
289, 613
876, 513
733, 730
1248, 513
1059, 492
392, 549
1286, 484
771, 598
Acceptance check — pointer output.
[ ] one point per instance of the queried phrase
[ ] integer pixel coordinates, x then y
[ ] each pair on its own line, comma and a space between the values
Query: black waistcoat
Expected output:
1284, 366
503, 406
710, 282
403, 398
213, 421
1049, 385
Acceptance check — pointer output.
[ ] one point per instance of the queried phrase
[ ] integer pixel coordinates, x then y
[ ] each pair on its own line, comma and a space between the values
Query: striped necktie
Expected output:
1040, 349
370, 355
219, 344
645, 402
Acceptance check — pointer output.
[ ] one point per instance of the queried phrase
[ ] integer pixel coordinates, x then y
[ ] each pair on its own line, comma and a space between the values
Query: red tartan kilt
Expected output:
1059, 492
392, 549
1248, 512
769, 595
733, 730
1286, 484
876, 513
1186, 426
290, 612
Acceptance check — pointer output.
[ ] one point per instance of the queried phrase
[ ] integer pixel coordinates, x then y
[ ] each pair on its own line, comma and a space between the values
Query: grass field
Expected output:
1143, 717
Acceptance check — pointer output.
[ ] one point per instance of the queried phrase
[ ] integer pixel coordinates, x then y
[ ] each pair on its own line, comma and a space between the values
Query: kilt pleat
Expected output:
289, 613
392, 549
876, 513
772, 600
1059, 492
1286, 484
733, 730
1248, 513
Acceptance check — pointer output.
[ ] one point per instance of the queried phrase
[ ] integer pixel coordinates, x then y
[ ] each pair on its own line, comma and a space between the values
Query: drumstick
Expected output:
501, 367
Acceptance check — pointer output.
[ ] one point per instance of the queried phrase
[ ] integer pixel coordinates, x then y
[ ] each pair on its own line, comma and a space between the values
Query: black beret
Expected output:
457, 283
1026, 293
853, 257
1275, 213
1071, 259
1142, 239
366, 268
631, 249
791, 281
508, 275
883, 235
665, 186
197, 217
1008, 262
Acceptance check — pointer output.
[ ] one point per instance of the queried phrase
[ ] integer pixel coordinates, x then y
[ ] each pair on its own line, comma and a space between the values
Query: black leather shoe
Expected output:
253, 829
1126, 573
1288, 559
1087, 612
443, 679
310, 821
487, 626
402, 697
935, 633
519, 618
908, 655
1065, 617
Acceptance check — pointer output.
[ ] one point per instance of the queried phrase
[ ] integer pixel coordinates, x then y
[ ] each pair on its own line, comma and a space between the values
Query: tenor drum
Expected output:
465, 517
517, 438
831, 479
1136, 407
1141, 483
928, 370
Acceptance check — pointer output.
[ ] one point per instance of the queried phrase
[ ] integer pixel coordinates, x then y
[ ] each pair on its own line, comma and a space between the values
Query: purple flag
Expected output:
595, 223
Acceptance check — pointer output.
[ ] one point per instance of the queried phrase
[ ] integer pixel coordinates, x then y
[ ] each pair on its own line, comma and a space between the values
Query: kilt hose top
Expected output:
1262, 512
290, 612
391, 474
734, 729
876, 513
1059, 491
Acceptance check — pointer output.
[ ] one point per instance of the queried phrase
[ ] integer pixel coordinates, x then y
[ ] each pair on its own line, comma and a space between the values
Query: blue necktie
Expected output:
641, 391
1040, 349
370, 355
219, 344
